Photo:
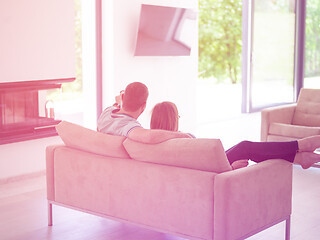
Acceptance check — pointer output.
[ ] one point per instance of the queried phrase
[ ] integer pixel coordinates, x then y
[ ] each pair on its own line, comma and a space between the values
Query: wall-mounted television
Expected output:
165, 31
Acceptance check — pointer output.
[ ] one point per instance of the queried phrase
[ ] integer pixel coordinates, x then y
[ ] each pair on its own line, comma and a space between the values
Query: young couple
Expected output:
121, 119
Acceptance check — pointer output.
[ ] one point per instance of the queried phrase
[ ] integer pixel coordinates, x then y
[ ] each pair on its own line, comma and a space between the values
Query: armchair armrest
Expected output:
251, 198
279, 114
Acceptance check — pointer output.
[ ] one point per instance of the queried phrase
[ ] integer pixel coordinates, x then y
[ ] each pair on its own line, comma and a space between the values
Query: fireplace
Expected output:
25, 112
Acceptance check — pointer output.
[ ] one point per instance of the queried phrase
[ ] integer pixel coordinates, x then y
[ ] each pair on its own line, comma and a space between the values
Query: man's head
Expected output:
135, 97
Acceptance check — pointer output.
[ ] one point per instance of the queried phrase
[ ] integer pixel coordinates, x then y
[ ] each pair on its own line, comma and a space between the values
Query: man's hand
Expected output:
118, 99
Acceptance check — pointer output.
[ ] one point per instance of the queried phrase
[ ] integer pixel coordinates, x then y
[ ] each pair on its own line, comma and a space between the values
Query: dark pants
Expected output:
261, 151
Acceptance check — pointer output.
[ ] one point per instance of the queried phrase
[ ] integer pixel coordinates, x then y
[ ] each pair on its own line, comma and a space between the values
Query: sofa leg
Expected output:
49, 214
288, 227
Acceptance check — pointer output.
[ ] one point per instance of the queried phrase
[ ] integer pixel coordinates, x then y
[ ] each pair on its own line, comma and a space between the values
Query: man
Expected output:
121, 119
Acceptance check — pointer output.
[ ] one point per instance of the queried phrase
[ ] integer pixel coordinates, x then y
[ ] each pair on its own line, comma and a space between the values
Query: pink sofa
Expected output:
184, 187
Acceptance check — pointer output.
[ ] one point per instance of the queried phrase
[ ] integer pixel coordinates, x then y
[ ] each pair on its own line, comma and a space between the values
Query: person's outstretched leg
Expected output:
261, 151
299, 152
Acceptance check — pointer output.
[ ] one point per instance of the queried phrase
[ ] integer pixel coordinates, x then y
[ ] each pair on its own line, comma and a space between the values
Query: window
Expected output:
269, 71
76, 101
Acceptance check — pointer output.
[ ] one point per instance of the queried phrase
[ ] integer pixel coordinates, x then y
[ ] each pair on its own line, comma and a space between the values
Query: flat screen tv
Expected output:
165, 31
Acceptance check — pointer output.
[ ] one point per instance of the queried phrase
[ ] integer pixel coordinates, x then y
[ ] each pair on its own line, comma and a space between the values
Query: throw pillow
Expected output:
82, 138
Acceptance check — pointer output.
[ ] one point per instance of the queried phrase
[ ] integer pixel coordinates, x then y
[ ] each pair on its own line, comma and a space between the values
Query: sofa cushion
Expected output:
293, 131
82, 138
201, 154
308, 108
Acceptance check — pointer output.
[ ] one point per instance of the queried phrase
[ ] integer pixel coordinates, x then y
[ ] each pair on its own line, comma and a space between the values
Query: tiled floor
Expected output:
305, 219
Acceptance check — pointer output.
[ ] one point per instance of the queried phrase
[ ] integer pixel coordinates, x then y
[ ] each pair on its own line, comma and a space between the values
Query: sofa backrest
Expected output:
85, 139
307, 112
201, 154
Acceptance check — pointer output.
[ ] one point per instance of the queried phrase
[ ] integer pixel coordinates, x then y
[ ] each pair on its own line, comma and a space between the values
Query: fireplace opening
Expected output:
25, 112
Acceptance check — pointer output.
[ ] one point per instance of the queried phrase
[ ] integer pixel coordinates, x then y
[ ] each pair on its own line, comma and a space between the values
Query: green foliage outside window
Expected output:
312, 47
220, 39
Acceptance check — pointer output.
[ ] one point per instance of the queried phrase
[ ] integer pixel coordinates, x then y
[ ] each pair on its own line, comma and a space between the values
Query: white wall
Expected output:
25, 157
37, 39
168, 78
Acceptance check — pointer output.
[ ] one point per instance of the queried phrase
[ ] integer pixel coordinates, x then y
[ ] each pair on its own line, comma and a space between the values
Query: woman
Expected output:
165, 116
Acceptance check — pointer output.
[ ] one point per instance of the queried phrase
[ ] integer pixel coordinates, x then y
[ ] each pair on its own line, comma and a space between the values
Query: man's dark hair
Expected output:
135, 95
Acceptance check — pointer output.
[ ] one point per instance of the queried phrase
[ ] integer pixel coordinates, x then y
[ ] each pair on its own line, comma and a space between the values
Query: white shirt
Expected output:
115, 123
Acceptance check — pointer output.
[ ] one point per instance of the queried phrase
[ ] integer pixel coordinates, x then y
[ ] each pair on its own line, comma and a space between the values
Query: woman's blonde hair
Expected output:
165, 116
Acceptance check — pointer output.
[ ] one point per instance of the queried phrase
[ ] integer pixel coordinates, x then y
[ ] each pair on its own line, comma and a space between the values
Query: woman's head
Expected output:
165, 116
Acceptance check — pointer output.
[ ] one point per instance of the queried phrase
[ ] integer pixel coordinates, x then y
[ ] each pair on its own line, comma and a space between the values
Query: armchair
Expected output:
292, 121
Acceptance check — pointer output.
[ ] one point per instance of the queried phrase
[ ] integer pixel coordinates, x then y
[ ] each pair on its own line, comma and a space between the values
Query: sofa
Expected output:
184, 187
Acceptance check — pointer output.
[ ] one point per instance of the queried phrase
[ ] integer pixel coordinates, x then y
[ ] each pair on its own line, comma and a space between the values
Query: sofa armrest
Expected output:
50, 170
279, 114
251, 198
